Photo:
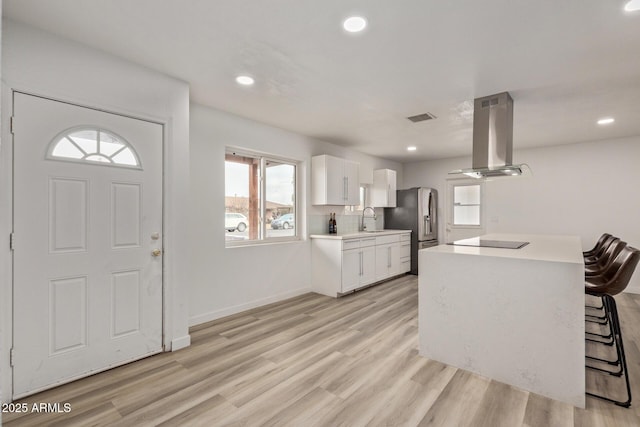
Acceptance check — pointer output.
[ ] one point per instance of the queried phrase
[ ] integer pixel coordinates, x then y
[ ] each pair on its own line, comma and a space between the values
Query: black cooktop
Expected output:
483, 243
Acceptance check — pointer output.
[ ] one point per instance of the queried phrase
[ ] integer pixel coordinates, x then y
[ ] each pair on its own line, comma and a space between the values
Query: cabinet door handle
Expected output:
345, 184
389, 256
346, 191
361, 263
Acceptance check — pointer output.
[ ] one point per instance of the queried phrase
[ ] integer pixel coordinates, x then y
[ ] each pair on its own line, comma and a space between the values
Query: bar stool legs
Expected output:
600, 320
610, 340
611, 310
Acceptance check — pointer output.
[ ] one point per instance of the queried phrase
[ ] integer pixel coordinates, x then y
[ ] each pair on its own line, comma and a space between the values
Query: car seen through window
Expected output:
235, 221
284, 222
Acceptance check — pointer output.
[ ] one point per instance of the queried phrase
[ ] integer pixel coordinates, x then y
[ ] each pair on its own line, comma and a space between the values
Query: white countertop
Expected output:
358, 235
541, 247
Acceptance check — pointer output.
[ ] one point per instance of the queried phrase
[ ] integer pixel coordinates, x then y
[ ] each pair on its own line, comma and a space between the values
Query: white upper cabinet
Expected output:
383, 191
334, 181
352, 175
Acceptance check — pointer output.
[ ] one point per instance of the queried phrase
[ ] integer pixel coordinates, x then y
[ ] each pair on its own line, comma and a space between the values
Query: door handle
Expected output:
389, 256
156, 252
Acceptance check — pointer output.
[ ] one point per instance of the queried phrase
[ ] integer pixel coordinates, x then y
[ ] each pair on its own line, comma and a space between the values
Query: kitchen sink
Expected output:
374, 231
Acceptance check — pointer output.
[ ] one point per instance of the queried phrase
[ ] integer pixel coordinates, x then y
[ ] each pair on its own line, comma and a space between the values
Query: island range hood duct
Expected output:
492, 138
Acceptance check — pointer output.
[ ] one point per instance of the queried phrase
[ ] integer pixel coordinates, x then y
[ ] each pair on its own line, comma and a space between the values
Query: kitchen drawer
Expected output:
406, 237
405, 250
405, 266
350, 244
391, 238
367, 242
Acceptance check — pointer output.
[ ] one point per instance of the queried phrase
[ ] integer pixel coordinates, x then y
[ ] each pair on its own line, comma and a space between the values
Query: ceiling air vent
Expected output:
421, 117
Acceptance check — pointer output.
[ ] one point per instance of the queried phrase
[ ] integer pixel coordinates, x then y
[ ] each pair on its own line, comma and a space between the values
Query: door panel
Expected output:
68, 210
368, 265
383, 260
350, 269
394, 267
335, 181
125, 297
352, 176
125, 215
87, 289
68, 308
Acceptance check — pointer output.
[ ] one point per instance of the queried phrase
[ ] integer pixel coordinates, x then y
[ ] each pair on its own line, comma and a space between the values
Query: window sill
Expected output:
254, 243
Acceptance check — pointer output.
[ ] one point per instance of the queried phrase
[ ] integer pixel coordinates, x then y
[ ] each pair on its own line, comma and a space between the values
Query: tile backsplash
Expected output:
347, 223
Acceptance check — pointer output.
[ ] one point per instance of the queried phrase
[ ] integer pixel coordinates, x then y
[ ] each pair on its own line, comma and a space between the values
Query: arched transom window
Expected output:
93, 145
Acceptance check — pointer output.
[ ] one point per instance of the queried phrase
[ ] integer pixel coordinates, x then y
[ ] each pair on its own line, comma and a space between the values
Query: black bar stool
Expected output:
591, 259
592, 251
606, 259
598, 268
596, 254
611, 282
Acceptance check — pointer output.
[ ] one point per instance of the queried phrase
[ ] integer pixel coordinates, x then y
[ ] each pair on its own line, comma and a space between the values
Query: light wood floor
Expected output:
318, 361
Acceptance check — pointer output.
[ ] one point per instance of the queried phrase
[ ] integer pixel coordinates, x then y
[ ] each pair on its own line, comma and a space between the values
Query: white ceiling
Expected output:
566, 63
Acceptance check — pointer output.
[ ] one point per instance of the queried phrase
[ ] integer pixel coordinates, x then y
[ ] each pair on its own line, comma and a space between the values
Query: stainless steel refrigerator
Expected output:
416, 211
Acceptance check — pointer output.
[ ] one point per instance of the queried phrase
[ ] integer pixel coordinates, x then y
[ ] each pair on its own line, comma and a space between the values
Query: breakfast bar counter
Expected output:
513, 315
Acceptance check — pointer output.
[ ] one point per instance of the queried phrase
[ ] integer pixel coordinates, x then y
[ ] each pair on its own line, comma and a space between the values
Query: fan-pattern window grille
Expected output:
93, 146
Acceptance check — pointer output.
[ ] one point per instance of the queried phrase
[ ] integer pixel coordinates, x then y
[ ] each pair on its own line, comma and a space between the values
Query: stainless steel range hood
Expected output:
492, 138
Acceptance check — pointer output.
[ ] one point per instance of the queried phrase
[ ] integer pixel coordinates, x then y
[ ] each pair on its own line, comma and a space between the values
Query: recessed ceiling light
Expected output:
412, 148
632, 6
245, 80
606, 121
354, 24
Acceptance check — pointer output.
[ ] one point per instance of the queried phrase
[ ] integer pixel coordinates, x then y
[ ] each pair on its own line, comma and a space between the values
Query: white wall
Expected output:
584, 189
43, 64
229, 280
224, 281
3, 267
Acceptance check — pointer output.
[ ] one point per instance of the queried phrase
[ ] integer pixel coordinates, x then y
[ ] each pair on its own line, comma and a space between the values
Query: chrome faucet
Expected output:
364, 227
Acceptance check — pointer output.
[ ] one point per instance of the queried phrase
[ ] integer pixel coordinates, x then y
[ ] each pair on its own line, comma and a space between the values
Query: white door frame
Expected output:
6, 227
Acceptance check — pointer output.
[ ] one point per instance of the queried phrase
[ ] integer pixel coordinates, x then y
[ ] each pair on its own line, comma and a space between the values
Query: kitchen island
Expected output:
513, 315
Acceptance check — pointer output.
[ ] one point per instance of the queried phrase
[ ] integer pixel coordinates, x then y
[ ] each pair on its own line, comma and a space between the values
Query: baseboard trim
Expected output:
217, 314
181, 342
633, 289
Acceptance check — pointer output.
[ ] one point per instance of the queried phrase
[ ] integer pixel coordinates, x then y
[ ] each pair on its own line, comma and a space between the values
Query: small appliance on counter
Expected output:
416, 210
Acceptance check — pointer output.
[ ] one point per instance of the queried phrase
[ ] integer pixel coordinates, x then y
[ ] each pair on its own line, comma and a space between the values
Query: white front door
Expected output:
87, 241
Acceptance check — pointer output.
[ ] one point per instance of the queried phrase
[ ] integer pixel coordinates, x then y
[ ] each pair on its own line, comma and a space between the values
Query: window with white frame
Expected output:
467, 204
260, 198
94, 146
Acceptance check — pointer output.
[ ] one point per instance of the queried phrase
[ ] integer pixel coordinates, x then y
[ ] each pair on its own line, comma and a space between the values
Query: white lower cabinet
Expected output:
388, 257
368, 265
358, 267
343, 265
383, 261
351, 268
405, 253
